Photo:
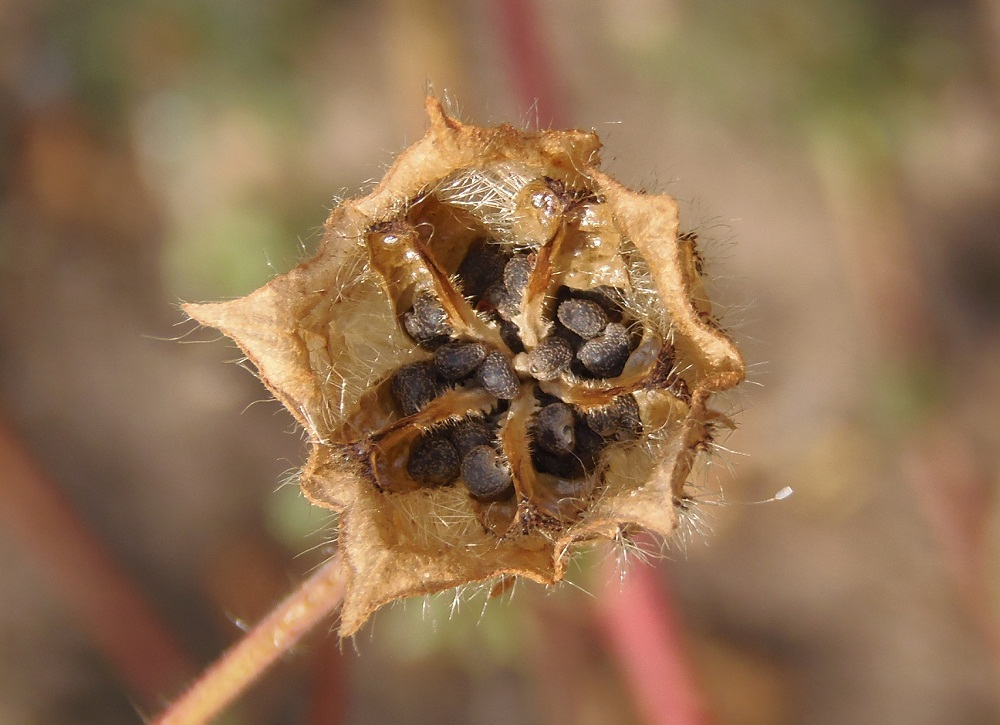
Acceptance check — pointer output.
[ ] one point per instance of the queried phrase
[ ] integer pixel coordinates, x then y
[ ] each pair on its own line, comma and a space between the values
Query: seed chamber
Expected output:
513, 306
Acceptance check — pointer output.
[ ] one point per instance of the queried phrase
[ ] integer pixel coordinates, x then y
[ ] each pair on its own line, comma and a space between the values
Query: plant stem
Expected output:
274, 636
115, 615
642, 630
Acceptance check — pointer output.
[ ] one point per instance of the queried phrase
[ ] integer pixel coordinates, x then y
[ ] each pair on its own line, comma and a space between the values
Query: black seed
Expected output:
605, 356
427, 323
618, 421
470, 433
433, 461
584, 317
589, 446
485, 474
551, 357
554, 428
457, 360
497, 376
498, 297
511, 336
564, 465
414, 386
515, 276
607, 297
483, 266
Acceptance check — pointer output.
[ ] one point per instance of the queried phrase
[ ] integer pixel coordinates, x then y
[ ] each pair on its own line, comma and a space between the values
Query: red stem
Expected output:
643, 631
114, 614
528, 62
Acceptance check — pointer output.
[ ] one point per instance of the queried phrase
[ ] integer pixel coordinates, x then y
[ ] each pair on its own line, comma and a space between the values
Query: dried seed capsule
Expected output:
605, 355
427, 323
470, 433
414, 386
433, 461
618, 421
457, 360
515, 276
554, 428
485, 474
497, 376
550, 358
584, 317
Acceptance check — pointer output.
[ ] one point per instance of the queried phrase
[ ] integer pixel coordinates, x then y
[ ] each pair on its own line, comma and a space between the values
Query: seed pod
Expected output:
427, 323
470, 433
497, 376
485, 475
554, 428
550, 358
414, 386
605, 355
433, 461
618, 421
325, 337
583, 317
457, 360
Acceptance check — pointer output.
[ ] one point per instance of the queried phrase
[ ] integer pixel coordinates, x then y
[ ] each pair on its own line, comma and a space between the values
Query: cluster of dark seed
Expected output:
495, 280
468, 450
455, 362
589, 337
569, 441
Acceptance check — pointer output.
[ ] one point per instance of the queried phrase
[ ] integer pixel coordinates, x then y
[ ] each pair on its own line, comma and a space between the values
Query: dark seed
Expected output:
497, 376
470, 433
483, 266
589, 446
457, 360
485, 474
433, 461
584, 317
555, 428
605, 356
618, 421
511, 336
427, 323
414, 386
551, 357
515, 276
564, 465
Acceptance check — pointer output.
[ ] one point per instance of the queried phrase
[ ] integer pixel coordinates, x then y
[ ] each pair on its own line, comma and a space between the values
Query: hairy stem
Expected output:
274, 636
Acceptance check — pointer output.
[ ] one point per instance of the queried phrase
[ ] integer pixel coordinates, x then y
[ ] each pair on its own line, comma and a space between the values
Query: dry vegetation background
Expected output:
840, 158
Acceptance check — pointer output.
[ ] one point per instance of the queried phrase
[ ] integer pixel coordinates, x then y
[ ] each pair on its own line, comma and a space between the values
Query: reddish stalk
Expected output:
643, 632
312, 602
528, 61
113, 613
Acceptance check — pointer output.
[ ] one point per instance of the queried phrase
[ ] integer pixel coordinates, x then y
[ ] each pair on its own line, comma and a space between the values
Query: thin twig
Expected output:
311, 603
112, 611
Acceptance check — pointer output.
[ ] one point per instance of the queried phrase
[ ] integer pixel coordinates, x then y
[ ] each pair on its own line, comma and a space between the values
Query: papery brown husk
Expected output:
429, 540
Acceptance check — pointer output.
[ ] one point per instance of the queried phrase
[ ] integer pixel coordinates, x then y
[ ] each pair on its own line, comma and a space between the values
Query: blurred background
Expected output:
839, 159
